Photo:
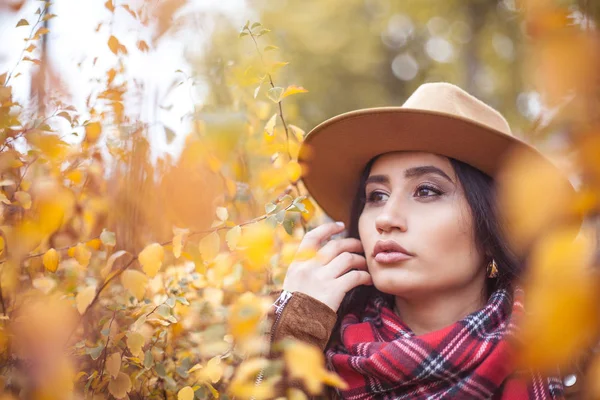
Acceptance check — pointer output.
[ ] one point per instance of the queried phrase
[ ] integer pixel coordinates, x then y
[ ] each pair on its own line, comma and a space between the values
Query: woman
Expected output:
419, 300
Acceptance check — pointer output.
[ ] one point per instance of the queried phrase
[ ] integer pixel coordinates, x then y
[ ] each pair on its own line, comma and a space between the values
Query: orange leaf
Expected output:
113, 44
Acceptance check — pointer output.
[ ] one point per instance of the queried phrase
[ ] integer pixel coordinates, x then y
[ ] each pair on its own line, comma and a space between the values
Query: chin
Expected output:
398, 284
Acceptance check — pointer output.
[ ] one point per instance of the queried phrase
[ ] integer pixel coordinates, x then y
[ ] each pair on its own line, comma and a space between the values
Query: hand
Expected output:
327, 276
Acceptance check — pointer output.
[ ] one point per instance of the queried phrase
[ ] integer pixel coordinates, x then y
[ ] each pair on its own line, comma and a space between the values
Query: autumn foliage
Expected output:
126, 276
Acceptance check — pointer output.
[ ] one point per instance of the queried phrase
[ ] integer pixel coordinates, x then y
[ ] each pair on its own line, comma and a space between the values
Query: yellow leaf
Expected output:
109, 4
209, 246
84, 298
75, 176
135, 342
94, 244
107, 272
270, 125
186, 393
243, 383
233, 236
310, 209
113, 364
306, 362
44, 284
293, 90
178, 240
151, 259
135, 281
245, 315
94, 129
222, 213
50, 260
2, 247
4, 199
214, 369
296, 394
120, 386
298, 133
256, 244
22, 22
520, 183
81, 253
293, 170
50, 145
561, 299
41, 31
24, 199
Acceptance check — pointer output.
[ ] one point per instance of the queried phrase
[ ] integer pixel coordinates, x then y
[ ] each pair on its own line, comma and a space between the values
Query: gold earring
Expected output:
492, 269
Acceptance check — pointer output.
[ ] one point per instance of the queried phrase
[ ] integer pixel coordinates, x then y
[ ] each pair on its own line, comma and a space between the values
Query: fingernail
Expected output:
340, 223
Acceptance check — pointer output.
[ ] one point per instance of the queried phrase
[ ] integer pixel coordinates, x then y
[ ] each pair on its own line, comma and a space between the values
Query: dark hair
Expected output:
480, 192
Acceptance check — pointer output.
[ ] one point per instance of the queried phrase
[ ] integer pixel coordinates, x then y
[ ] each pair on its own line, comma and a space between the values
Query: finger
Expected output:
353, 279
344, 263
313, 239
334, 248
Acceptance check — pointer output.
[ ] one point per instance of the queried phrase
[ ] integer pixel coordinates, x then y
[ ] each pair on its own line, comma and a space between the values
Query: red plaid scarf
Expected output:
380, 357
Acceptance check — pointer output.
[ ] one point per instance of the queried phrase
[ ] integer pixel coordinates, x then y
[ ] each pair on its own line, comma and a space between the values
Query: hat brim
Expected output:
335, 152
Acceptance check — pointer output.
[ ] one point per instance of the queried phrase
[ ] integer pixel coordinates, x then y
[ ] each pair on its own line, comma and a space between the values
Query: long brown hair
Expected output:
480, 192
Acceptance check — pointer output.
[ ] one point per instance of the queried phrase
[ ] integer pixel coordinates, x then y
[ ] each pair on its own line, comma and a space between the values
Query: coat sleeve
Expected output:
299, 316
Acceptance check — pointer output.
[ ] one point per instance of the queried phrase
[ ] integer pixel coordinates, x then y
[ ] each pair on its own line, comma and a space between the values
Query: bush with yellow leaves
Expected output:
132, 279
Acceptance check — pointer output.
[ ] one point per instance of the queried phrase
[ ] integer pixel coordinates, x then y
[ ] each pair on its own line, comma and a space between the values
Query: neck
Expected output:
431, 313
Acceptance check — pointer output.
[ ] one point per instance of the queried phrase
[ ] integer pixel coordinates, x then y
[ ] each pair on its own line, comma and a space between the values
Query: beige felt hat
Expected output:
437, 118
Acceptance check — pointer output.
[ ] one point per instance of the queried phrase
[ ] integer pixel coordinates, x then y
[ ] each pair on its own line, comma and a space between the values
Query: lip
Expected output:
388, 251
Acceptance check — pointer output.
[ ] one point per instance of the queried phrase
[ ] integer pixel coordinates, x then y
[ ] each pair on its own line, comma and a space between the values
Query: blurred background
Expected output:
150, 184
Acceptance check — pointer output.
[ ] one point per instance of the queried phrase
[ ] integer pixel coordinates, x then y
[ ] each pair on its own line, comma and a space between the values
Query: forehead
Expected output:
395, 162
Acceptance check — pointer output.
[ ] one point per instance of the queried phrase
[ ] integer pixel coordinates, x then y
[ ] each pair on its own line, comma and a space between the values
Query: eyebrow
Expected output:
411, 173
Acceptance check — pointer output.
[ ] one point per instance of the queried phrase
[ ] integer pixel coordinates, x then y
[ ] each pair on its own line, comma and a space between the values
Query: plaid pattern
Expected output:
380, 357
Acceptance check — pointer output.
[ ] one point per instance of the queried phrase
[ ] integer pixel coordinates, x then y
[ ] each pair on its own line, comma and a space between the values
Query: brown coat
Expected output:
305, 318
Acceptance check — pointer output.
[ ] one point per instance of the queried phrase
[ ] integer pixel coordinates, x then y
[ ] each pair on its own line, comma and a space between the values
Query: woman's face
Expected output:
416, 200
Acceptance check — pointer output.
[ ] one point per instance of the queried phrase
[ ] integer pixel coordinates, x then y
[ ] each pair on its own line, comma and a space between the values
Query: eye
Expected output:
375, 196
428, 188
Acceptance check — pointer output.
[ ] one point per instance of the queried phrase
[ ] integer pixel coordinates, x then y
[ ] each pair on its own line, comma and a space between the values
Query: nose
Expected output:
390, 217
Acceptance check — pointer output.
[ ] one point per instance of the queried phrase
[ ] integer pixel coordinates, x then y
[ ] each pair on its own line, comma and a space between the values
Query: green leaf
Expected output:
271, 221
275, 94
299, 199
254, 25
171, 302
22, 22
95, 351
148, 359
246, 26
182, 372
160, 370
270, 207
270, 47
280, 216
163, 310
171, 318
288, 225
242, 34
108, 238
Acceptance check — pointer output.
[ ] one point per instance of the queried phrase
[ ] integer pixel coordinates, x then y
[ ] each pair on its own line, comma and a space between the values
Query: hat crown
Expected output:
447, 98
